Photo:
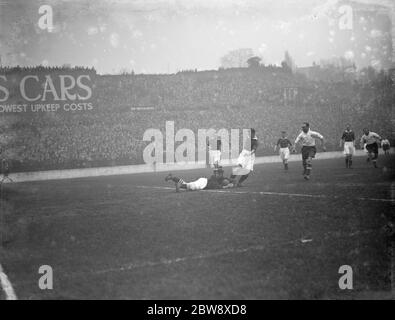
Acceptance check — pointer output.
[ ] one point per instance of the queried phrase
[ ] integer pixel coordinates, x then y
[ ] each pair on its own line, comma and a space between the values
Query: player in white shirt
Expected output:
307, 138
385, 144
246, 159
371, 139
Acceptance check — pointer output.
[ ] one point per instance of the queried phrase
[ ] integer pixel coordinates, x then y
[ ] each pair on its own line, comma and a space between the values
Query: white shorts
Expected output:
349, 147
246, 160
214, 157
284, 153
198, 184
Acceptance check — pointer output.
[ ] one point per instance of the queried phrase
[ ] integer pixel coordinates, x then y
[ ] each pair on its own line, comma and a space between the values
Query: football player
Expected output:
371, 139
347, 140
307, 137
283, 144
246, 160
216, 181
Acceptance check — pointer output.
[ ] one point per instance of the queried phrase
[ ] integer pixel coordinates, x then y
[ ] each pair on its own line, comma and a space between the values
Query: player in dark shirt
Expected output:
348, 140
283, 144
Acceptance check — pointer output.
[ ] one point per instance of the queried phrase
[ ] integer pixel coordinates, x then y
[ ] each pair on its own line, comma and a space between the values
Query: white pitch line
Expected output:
303, 195
209, 255
7, 286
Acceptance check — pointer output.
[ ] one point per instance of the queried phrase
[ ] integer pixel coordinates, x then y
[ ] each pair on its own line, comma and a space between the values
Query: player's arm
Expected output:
378, 138
254, 147
276, 145
296, 142
320, 137
362, 142
342, 139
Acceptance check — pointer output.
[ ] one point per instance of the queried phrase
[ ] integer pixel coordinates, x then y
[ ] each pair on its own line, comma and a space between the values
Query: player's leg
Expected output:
304, 160
179, 183
245, 172
285, 164
347, 160
309, 162
281, 155
374, 159
345, 152
242, 179
286, 157
309, 166
367, 152
375, 151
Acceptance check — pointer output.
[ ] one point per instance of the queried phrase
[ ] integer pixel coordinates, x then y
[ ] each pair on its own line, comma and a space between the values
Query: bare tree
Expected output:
288, 62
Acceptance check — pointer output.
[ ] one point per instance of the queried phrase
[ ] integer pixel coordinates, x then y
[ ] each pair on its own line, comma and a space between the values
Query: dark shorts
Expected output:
308, 152
372, 148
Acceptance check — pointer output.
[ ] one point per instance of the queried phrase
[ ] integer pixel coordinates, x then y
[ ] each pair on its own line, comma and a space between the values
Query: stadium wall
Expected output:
135, 169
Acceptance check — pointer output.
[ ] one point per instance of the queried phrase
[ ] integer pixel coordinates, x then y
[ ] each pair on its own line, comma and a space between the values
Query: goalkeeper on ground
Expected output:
216, 181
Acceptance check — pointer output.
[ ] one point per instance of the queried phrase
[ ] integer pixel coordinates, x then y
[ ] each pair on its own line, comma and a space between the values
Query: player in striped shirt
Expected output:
307, 137
283, 144
371, 139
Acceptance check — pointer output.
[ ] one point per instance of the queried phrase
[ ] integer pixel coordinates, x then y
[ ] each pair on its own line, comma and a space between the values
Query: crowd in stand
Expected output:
41, 68
232, 99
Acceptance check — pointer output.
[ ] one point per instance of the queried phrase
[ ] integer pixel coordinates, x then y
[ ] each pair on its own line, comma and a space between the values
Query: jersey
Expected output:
370, 138
214, 182
284, 143
348, 136
385, 142
308, 139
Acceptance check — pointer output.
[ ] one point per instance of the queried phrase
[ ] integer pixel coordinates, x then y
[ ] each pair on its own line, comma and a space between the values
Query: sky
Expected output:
165, 36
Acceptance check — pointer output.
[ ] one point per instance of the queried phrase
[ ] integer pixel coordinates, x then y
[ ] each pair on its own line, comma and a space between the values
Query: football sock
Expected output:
243, 178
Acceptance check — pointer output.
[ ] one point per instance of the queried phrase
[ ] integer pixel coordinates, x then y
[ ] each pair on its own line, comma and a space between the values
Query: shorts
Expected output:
308, 152
284, 153
372, 148
349, 148
214, 157
246, 160
238, 171
198, 184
